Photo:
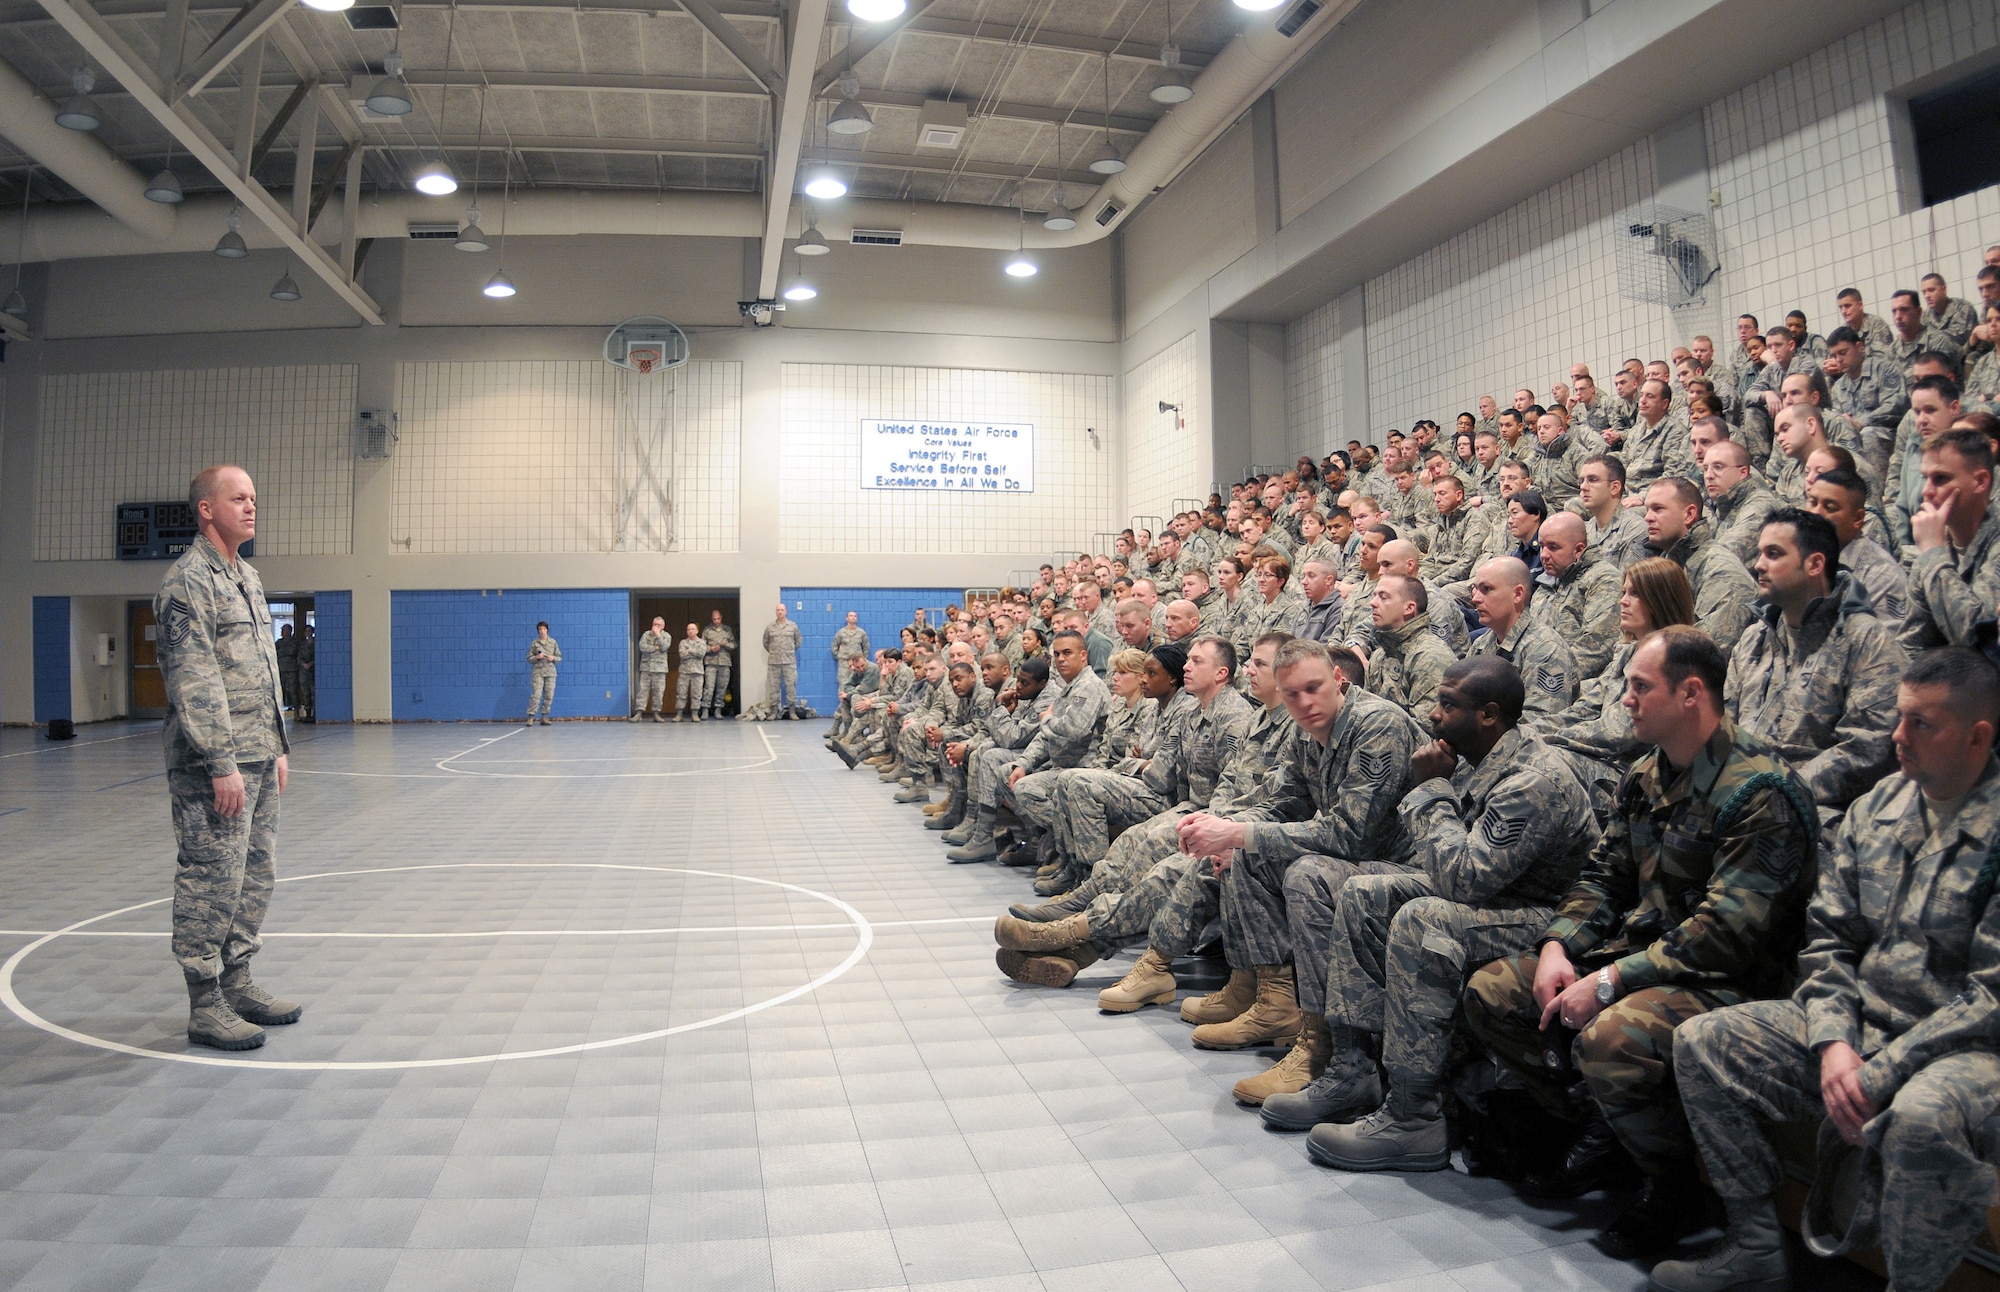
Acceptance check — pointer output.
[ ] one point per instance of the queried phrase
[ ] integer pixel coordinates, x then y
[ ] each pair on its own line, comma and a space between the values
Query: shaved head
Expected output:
1562, 527
1508, 570
1400, 556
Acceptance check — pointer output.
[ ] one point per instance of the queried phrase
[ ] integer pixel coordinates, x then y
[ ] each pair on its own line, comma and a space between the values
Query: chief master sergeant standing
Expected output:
226, 763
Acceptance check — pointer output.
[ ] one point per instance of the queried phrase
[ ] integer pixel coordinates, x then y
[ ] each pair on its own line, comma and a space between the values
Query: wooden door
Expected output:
149, 685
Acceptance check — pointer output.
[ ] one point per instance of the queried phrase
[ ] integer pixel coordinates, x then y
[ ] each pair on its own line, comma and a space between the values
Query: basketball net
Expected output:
644, 359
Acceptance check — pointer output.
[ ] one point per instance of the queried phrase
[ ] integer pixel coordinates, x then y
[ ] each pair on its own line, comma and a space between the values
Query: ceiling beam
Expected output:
243, 31
600, 81
1075, 118
764, 10
1135, 51
829, 71
269, 138
794, 115
152, 94
747, 55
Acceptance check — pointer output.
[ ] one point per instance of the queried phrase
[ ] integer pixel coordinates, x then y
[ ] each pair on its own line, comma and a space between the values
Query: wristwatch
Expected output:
1606, 993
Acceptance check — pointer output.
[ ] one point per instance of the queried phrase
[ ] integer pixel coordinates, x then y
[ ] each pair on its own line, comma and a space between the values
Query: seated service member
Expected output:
1693, 899
1409, 659
1891, 1033
1499, 827
1955, 581
1500, 595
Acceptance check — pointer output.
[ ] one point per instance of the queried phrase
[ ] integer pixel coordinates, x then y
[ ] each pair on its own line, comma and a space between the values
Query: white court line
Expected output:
770, 756
511, 933
864, 939
55, 745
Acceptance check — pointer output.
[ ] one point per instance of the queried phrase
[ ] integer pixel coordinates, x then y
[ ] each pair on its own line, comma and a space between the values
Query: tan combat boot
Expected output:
1272, 1018
1151, 982
1294, 1072
1220, 1006
1057, 969
1057, 935
212, 1022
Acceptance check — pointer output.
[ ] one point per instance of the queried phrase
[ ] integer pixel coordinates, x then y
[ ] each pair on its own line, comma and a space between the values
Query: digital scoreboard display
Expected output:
158, 531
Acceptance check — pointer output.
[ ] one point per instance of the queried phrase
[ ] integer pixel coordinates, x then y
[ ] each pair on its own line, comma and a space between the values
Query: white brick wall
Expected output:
1160, 454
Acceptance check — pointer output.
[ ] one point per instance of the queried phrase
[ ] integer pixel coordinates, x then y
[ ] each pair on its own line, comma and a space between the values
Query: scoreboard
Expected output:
158, 531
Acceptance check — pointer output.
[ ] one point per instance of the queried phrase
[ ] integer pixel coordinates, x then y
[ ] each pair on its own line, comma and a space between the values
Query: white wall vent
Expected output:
942, 124
1296, 17
876, 237
433, 231
1110, 212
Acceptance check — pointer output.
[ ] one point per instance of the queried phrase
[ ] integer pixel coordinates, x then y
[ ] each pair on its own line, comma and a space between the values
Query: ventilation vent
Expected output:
941, 124
433, 232
1110, 212
1298, 16
372, 17
876, 237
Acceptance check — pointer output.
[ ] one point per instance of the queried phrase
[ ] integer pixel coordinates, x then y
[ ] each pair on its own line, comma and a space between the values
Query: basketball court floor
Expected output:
615, 1007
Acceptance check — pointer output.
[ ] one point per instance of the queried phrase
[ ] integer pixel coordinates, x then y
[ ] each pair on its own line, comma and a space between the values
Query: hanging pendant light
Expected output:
825, 184
1021, 264
391, 96
499, 287
812, 242
165, 188
1258, 6
850, 117
1106, 161
436, 180
876, 10
1059, 219
1175, 88
800, 290
329, 6
285, 289
16, 304
79, 111
472, 237
230, 246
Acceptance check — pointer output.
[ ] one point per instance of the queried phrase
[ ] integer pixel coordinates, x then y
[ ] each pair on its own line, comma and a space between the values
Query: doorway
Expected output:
680, 609
148, 685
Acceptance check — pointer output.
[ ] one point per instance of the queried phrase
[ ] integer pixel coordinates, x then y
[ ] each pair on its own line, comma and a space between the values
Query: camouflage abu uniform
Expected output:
543, 656
1330, 814
653, 667
1580, 607
849, 642
1494, 849
1902, 962
693, 653
1697, 893
781, 665
716, 664
1408, 664
224, 717
1548, 671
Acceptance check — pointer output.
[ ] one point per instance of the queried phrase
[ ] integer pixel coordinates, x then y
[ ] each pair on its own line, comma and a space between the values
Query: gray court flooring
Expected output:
610, 1007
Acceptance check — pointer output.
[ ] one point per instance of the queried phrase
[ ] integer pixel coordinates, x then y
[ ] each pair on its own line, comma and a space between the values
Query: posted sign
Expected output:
968, 457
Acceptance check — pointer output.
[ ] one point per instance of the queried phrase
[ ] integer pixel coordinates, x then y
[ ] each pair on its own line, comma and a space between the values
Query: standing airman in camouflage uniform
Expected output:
1693, 899
693, 652
1500, 595
543, 656
850, 640
288, 665
308, 694
227, 763
1815, 674
781, 664
1576, 594
654, 660
1891, 1032
716, 665
1498, 828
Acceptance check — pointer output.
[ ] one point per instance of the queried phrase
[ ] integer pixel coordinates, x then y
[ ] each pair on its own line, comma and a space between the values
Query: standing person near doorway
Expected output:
288, 666
308, 684
226, 763
721, 640
781, 661
543, 656
688, 687
654, 664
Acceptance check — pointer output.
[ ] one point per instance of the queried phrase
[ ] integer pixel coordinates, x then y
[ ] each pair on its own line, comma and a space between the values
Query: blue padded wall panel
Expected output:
462, 654
333, 659
820, 612
51, 658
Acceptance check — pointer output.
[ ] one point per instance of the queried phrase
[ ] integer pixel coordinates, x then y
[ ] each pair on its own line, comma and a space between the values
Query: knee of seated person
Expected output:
1619, 1034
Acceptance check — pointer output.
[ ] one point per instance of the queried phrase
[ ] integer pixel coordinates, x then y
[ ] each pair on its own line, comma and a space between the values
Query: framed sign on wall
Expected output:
965, 457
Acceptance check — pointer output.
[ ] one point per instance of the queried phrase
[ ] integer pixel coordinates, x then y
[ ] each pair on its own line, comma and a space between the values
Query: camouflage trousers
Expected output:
990, 767
1198, 897
781, 682
541, 689
1169, 907
687, 691
1625, 1055
652, 694
1096, 803
1035, 797
914, 752
1400, 956
1131, 856
1285, 913
715, 684
1933, 1148
224, 870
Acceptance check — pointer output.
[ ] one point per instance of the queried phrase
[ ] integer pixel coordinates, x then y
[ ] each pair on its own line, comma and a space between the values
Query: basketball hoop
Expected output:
646, 345
644, 359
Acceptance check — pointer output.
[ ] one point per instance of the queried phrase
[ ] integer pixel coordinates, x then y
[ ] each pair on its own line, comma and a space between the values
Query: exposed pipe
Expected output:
81, 160
1223, 91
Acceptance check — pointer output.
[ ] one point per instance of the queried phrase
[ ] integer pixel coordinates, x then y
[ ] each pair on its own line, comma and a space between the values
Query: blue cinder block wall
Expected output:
51, 658
333, 656
821, 612
463, 654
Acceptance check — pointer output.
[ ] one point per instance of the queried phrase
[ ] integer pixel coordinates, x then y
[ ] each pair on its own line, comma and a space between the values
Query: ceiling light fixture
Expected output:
499, 287
876, 10
329, 6
800, 290
825, 184
1258, 6
436, 179
472, 237
1022, 265
285, 289
16, 304
79, 111
812, 242
165, 188
1059, 219
850, 117
230, 246
391, 96
1174, 88
1106, 161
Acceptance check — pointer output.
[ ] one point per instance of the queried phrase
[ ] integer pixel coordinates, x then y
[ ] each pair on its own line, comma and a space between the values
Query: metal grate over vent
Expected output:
1298, 16
433, 232
1110, 212
876, 237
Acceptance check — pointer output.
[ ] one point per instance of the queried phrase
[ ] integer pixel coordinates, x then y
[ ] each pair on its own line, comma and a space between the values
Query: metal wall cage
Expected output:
1667, 257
